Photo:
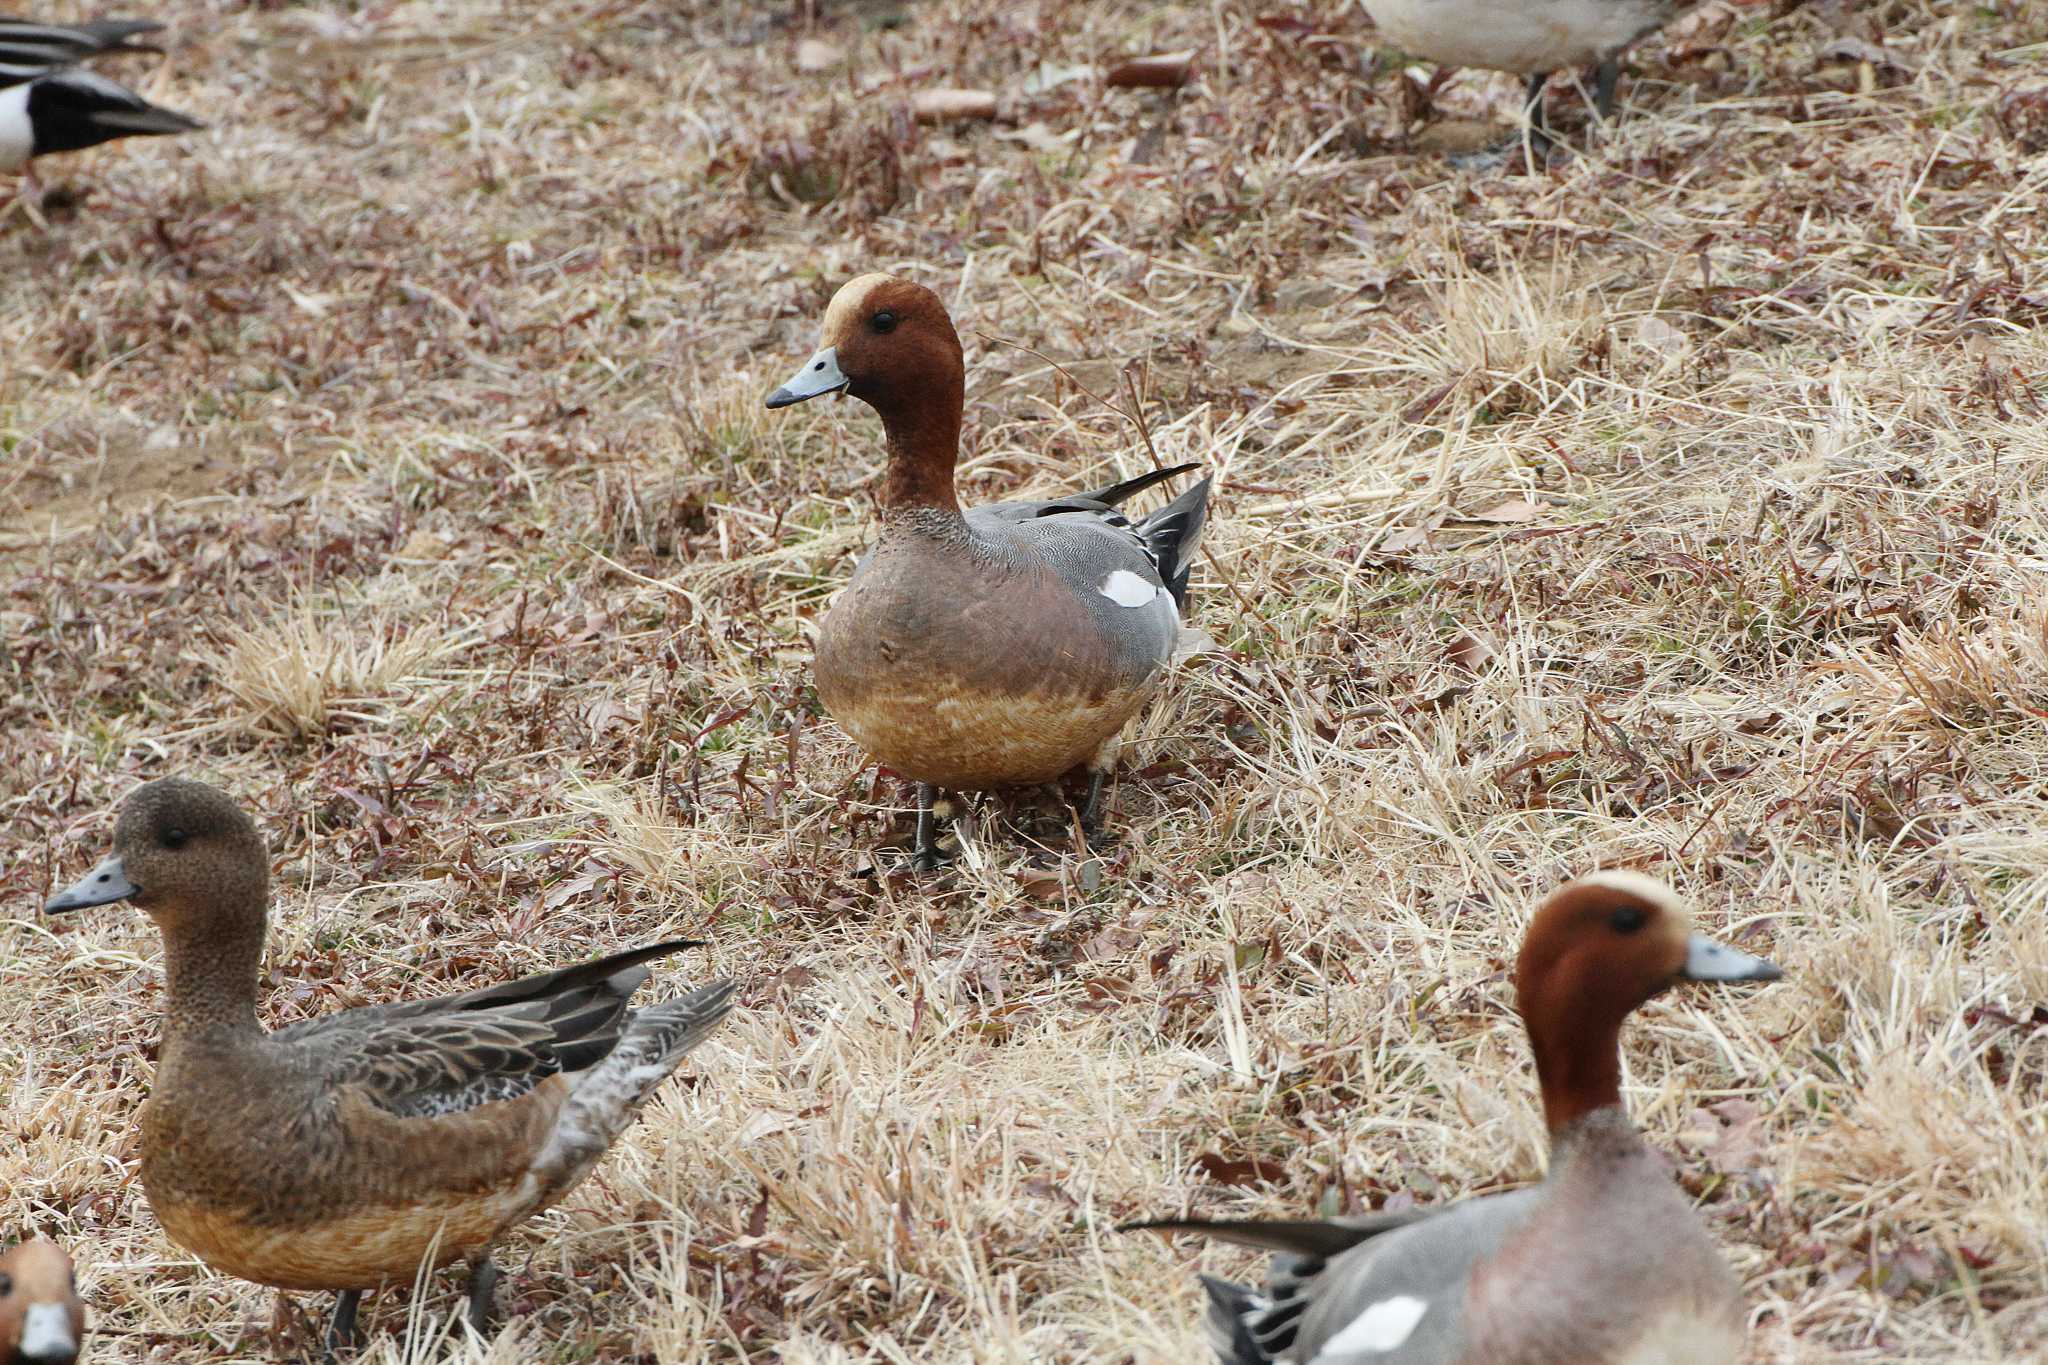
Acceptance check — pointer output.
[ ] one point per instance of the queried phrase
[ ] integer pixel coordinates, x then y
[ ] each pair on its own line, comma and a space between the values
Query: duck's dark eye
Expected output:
175, 838
884, 321
1628, 919
6, 1285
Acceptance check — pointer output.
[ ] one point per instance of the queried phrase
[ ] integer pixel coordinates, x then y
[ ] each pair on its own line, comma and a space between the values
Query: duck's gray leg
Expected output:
1539, 126
483, 1282
1604, 77
924, 854
341, 1328
1091, 809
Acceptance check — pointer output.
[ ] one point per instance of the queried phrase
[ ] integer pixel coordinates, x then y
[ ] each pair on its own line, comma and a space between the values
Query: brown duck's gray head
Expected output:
184, 852
887, 341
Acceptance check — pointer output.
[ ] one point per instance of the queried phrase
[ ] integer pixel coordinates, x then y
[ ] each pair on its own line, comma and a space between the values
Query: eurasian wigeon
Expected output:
1603, 1263
998, 646
42, 1320
1530, 38
344, 1152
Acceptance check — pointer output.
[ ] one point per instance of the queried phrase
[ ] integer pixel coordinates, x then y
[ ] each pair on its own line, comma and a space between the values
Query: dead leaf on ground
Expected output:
1512, 512
1468, 651
938, 106
1729, 1135
1161, 71
1221, 1170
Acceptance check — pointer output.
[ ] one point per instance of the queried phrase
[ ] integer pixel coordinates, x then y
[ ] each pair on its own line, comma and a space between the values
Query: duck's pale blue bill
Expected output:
46, 1334
820, 375
102, 886
1706, 960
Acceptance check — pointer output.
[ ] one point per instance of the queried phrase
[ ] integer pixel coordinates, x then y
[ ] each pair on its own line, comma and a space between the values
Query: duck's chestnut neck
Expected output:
922, 425
1579, 1068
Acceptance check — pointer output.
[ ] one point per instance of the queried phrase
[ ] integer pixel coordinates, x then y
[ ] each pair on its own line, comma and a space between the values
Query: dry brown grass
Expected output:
391, 456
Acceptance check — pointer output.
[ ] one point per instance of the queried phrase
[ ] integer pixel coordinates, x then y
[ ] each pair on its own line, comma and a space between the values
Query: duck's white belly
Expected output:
1522, 36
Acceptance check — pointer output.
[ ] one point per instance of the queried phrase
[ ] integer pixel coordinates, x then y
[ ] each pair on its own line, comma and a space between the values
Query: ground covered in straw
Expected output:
393, 456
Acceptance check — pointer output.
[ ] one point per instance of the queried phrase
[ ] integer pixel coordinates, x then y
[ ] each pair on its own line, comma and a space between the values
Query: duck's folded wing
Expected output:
566, 991
423, 1067
441, 1055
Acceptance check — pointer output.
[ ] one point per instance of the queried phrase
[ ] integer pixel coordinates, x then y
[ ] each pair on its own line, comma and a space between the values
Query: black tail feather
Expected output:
1112, 494
1173, 532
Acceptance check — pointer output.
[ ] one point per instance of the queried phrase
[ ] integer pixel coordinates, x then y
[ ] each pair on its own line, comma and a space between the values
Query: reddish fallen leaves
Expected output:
1221, 1170
1161, 71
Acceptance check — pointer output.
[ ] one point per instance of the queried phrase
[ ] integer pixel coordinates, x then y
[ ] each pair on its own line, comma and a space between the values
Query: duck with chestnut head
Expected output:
1603, 1263
992, 646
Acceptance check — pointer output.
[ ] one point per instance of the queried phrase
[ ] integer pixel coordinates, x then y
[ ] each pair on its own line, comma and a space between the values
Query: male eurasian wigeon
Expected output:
1604, 1263
1003, 645
1530, 38
342, 1152
42, 1321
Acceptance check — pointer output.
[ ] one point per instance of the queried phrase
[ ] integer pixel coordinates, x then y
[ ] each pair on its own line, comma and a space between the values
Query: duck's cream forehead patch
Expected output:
1127, 589
849, 305
1382, 1327
1646, 889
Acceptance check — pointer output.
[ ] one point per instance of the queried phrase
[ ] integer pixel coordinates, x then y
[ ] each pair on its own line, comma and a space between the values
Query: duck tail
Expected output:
24, 43
607, 1095
1109, 495
1173, 533
72, 110
112, 35
1233, 1309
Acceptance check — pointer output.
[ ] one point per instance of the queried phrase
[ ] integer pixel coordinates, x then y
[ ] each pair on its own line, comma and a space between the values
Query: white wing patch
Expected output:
17, 137
1381, 1327
1127, 589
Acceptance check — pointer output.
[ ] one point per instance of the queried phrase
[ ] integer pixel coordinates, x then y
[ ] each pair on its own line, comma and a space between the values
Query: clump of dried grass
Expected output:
316, 667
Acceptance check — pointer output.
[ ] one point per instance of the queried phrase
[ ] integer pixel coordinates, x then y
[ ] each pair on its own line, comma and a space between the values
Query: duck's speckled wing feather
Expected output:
420, 1058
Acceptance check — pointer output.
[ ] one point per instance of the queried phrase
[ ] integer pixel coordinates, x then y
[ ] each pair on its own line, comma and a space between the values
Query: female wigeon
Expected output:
1604, 1263
1004, 645
42, 1321
1530, 38
341, 1153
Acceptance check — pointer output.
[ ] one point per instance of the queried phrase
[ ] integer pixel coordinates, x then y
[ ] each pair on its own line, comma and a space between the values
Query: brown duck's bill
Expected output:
46, 1334
103, 885
1706, 960
820, 375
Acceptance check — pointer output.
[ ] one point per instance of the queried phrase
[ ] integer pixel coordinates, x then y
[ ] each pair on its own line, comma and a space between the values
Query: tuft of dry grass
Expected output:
391, 455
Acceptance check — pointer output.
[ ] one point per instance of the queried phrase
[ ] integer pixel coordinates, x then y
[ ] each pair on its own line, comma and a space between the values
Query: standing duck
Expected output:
42, 1321
1003, 645
1530, 38
344, 1152
1604, 1263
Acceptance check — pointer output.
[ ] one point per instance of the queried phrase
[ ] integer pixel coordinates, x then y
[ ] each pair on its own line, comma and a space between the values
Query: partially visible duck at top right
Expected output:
1530, 38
